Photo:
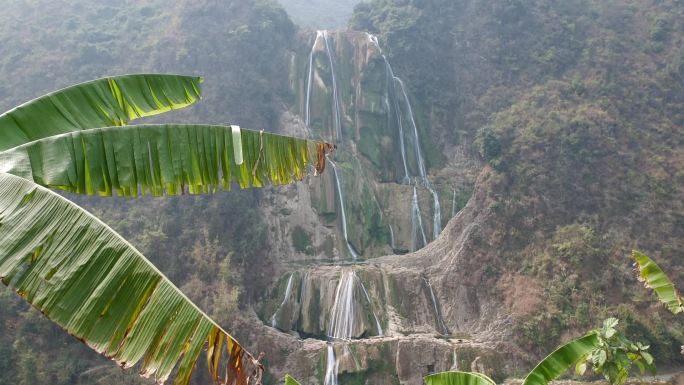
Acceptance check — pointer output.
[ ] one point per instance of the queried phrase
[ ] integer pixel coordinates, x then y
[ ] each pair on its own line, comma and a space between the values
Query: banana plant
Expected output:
80, 273
655, 278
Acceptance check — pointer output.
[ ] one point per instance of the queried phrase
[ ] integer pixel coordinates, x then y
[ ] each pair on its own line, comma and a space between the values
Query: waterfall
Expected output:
391, 92
331, 367
438, 314
303, 287
453, 205
343, 316
395, 86
416, 141
288, 290
353, 253
337, 117
454, 365
416, 221
307, 109
378, 328
336, 103
392, 242
436, 211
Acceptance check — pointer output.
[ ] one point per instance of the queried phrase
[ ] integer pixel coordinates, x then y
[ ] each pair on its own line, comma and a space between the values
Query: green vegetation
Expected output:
302, 241
320, 14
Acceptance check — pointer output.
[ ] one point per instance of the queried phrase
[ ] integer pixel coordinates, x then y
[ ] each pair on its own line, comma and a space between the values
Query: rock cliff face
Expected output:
392, 317
432, 312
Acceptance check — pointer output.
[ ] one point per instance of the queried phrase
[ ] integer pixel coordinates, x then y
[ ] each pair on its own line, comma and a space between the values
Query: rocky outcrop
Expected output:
407, 314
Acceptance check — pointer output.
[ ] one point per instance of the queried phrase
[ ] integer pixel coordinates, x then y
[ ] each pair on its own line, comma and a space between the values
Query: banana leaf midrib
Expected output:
158, 125
163, 159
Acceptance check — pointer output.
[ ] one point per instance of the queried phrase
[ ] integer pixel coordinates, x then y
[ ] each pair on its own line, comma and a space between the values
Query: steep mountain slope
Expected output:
577, 106
320, 14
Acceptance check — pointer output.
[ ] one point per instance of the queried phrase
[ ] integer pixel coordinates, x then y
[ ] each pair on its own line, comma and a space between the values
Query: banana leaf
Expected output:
82, 275
111, 101
655, 278
561, 359
163, 160
458, 378
291, 381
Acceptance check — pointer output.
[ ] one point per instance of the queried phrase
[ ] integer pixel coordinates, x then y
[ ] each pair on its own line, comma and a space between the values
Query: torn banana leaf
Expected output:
561, 360
163, 160
111, 101
655, 278
82, 275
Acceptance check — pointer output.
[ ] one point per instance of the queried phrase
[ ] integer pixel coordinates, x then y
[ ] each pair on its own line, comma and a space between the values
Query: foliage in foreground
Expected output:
655, 278
83, 275
605, 350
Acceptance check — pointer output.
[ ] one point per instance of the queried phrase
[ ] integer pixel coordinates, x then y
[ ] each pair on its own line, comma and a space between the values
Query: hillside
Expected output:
497, 162
320, 14
577, 107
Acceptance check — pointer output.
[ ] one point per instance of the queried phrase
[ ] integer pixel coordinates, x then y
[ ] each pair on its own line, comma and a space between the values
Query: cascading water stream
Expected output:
393, 83
437, 212
336, 102
337, 117
331, 367
303, 286
343, 313
392, 241
416, 221
391, 91
340, 197
416, 141
288, 290
438, 314
378, 327
453, 204
309, 80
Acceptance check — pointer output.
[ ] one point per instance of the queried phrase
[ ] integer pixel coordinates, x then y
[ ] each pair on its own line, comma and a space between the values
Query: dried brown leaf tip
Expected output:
322, 151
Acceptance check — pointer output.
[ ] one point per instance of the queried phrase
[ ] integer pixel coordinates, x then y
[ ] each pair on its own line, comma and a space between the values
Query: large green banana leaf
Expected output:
111, 101
458, 378
655, 278
163, 159
561, 359
99, 288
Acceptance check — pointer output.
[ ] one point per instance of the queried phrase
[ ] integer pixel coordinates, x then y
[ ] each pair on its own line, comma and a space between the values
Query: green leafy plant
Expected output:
614, 355
80, 273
